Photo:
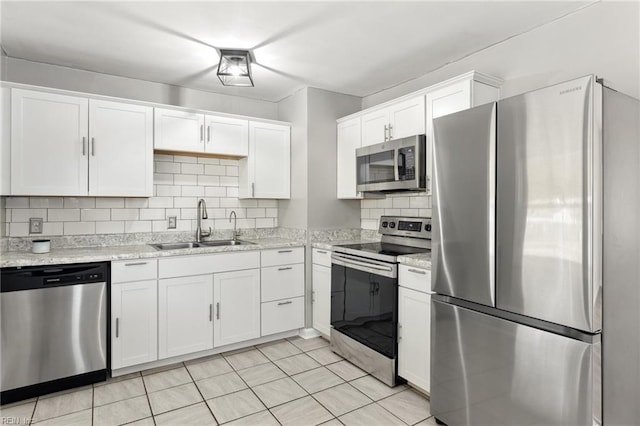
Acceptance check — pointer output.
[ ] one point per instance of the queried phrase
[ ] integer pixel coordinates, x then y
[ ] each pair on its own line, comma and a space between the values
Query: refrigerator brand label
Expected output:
573, 89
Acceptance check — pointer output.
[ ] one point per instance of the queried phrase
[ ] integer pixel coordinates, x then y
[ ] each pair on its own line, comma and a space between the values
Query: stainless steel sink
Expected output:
214, 243
175, 246
217, 243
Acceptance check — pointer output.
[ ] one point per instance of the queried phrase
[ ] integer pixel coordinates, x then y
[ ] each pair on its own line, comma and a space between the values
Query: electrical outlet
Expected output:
172, 222
35, 225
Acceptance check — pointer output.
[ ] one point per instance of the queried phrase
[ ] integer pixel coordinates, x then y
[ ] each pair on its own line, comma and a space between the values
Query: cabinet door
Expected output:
441, 102
348, 140
48, 144
134, 323
414, 345
120, 149
407, 118
269, 160
321, 299
185, 312
375, 127
237, 306
178, 130
227, 136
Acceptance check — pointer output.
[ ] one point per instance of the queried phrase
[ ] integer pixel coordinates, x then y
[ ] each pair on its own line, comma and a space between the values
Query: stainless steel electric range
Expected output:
364, 294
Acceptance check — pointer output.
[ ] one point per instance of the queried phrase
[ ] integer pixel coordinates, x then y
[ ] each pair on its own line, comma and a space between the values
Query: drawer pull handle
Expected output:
288, 302
417, 271
135, 263
322, 252
285, 251
285, 269
117, 327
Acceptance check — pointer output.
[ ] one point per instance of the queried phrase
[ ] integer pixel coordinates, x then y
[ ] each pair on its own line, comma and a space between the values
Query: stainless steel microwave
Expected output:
392, 166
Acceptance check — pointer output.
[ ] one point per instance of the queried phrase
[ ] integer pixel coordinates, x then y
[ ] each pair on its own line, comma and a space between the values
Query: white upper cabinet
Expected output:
68, 145
404, 118
227, 136
49, 143
266, 172
185, 131
457, 96
177, 130
121, 149
348, 140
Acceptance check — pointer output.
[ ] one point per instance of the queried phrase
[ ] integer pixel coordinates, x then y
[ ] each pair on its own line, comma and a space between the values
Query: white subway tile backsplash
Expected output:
125, 214
23, 215
132, 226
166, 167
45, 202
79, 202
109, 203
216, 191
193, 191
89, 215
420, 202
205, 180
136, 203
17, 203
369, 224
400, 202
168, 191
152, 214
214, 170
185, 179
18, 229
192, 169
393, 205
79, 228
179, 181
228, 181
113, 227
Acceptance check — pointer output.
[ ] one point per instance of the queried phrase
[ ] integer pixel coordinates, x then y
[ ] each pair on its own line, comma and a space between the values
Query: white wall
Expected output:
40, 74
325, 210
603, 39
293, 212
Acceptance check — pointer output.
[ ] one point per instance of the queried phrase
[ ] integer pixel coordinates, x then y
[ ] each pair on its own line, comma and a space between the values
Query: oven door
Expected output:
364, 301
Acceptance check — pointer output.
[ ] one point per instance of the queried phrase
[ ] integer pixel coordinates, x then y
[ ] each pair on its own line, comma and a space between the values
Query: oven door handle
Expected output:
373, 268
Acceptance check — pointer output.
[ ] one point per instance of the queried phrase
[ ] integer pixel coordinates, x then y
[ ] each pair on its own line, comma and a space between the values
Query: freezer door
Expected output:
549, 205
464, 205
489, 371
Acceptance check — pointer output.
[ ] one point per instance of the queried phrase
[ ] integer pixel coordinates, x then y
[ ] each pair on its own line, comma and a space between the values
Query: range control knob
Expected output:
385, 224
392, 225
427, 227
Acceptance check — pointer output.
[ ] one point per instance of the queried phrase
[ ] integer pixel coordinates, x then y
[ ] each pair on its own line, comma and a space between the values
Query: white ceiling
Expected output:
357, 48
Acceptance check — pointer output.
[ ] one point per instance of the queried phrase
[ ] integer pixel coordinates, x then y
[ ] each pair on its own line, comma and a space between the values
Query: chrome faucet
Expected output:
201, 213
235, 219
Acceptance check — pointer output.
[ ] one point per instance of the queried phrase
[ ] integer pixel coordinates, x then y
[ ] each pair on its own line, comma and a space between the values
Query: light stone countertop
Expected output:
122, 252
421, 260
328, 245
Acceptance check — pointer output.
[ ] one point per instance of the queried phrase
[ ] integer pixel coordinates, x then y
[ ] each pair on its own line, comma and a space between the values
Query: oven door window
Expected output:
364, 307
376, 168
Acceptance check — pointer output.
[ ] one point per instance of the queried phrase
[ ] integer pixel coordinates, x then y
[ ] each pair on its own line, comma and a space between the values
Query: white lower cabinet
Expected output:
321, 299
185, 312
134, 323
237, 306
414, 327
282, 315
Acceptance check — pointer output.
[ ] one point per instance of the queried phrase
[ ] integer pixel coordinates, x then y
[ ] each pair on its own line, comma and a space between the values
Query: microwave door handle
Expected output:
402, 164
395, 165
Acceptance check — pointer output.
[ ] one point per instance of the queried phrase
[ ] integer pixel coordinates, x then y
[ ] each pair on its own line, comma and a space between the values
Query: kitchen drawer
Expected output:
414, 278
208, 263
283, 256
282, 315
322, 257
280, 282
134, 270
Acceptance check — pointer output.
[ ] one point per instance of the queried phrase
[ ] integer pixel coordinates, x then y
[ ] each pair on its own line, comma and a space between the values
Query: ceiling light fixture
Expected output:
234, 68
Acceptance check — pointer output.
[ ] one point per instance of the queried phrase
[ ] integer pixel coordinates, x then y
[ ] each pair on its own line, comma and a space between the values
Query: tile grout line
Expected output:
146, 394
200, 392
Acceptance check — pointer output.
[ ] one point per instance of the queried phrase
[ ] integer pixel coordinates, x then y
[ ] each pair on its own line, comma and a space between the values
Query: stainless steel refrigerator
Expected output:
536, 264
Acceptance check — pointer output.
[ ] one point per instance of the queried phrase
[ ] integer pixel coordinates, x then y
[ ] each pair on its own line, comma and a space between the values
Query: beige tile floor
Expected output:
288, 382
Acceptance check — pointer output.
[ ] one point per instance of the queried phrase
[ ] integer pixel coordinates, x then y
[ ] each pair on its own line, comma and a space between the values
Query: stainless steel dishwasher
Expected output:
53, 322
